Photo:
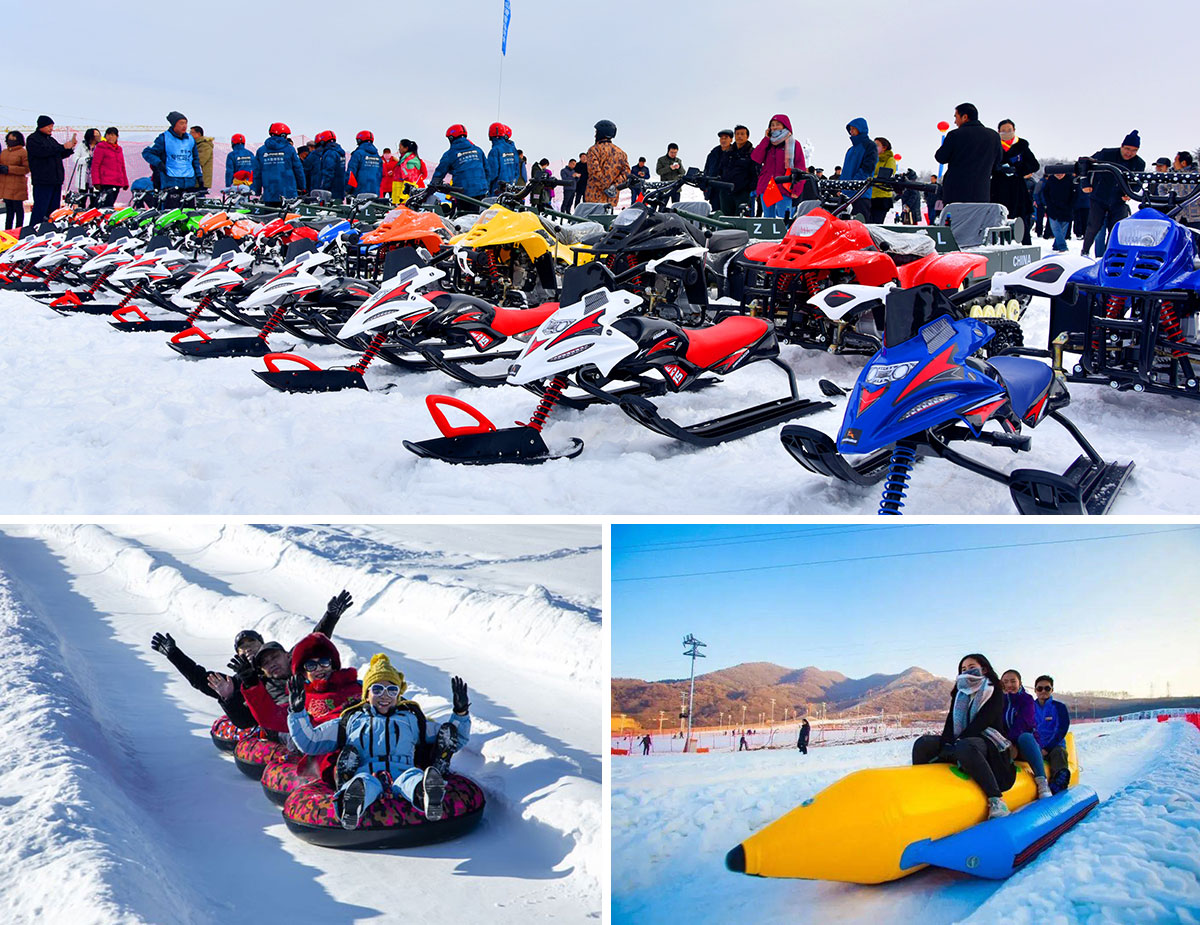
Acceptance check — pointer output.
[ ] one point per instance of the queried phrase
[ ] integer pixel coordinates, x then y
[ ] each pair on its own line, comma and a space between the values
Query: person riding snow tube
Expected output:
389, 800
226, 735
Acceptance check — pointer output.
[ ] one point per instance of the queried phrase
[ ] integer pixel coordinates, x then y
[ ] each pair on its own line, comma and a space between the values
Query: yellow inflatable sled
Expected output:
877, 825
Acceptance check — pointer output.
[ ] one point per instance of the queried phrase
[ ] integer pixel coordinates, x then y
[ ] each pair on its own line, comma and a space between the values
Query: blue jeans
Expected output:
1028, 748
779, 210
1060, 228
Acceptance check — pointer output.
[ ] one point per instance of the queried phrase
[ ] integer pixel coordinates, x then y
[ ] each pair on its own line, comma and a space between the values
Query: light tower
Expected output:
772, 711
692, 647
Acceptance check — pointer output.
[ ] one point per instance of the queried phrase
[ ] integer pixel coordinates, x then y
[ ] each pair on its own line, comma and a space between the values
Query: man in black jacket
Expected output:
45, 169
741, 170
715, 163
1108, 202
970, 153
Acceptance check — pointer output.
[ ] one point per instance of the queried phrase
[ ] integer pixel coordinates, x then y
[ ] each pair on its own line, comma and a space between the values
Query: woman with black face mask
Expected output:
973, 736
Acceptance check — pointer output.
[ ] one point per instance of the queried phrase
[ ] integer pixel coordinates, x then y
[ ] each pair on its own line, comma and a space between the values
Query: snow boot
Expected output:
345, 768
351, 811
446, 745
429, 793
1043, 789
996, 808
1059, 781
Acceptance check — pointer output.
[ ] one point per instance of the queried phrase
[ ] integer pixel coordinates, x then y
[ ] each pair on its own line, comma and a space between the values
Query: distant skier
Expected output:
383, 732
645, 740
802, 741
742, 746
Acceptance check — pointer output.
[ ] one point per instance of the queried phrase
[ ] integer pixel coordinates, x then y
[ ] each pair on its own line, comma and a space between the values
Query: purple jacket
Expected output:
771, 157
1019, 715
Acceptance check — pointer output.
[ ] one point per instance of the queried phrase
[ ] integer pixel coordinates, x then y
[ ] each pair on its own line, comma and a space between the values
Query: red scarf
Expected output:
1008, 144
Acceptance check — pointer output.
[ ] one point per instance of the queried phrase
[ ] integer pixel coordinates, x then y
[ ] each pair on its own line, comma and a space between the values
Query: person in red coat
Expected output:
390, 163
108, 168
328, 687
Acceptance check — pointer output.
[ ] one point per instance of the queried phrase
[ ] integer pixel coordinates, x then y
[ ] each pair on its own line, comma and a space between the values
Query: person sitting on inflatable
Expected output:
327, 686
971, 736
1053, 721
383, 732
224, 689
1020, 722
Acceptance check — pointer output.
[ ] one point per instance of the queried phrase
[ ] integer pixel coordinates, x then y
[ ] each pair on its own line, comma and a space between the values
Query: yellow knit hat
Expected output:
380, 671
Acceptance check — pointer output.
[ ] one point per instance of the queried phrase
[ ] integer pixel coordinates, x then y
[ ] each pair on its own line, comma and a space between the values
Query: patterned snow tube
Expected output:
390, 822
253, 755
286, 773
226, 735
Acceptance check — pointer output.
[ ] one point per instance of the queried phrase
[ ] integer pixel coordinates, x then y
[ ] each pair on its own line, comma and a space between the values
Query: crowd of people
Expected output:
980, 165
304, 698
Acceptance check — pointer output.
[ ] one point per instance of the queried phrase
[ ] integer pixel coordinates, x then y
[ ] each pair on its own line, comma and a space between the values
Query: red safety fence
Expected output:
1193, 718
1162, 717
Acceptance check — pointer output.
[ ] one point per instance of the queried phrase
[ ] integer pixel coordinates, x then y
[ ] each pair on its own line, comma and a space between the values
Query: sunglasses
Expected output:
1042, 687
392, 690
314, 663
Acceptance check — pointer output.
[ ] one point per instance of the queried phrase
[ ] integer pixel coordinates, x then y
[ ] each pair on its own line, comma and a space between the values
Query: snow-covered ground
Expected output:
103, 422
117, 808
1135, 858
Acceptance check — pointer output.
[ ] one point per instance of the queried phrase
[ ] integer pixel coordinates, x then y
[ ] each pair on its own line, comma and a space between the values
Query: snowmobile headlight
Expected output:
1141, 232
806, 226
627, 217
881, 374
488, 215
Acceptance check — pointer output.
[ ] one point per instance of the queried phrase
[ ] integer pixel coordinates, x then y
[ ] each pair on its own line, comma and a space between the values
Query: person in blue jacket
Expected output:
238, 159
278, 174
329, 173
859, 163
365, 171
1053, 721
383, 732
465, 162
503, 164
174, 156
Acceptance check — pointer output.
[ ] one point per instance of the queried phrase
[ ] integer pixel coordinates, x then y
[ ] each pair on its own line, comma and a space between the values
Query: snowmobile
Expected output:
151, 277
925, 390
777, 279
599, 343
648, 230
1133, 316
401, 227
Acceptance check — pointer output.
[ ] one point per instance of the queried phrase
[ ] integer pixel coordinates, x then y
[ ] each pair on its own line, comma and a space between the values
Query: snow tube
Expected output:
286, 773
860, 829
226, 735
253, 755
390, 822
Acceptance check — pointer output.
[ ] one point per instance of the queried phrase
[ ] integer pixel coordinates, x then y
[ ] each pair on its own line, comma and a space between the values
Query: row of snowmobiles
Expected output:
633, 317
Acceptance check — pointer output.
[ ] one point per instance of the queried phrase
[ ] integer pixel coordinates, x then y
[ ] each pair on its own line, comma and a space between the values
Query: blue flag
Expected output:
504, 35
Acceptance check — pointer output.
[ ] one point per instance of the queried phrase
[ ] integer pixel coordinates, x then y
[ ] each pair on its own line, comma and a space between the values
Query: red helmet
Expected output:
496, 130
239, 139
364, 135
507, 131
323, 137
456, 131
279, 128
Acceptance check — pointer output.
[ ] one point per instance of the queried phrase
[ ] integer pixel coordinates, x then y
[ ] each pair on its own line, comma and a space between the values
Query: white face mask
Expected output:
778, 135
969, 680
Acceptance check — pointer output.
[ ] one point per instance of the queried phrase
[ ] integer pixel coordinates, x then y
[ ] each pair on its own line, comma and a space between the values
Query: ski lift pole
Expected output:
692, 647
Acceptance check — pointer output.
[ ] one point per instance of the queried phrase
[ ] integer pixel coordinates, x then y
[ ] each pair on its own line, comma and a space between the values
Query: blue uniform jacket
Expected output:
238, 158
277, 170
330, 172
366, 166
466, 162
503, 165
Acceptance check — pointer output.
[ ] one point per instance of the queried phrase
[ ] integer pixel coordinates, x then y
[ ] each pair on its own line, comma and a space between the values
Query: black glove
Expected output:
447, 739
338, 604
295, 688
459, 686
163, 644
246, 673
3, 168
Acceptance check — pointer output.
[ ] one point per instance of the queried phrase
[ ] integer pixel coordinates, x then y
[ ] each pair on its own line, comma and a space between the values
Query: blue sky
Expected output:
1099, 608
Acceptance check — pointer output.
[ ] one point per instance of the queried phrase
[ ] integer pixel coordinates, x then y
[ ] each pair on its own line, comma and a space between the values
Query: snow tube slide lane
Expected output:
391, 822
253, 755
858, 829
286, 773
226, 735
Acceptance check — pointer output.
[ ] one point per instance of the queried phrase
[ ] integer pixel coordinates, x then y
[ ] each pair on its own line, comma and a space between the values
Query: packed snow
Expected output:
1135, 858
117, 807
107, 422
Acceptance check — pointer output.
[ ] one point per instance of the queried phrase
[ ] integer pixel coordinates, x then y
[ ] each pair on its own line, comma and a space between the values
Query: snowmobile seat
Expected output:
510, 321
707, 346
898, 244
585, 209
728, 239
693, 207
1026, 379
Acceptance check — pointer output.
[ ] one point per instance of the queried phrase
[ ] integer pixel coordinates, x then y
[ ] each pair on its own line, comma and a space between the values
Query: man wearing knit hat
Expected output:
175, 157
384, 732
1108, 202
46, 169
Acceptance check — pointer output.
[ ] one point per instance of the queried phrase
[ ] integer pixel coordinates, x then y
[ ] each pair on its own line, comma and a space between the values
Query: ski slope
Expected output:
116, 807
105, 422
1135, 858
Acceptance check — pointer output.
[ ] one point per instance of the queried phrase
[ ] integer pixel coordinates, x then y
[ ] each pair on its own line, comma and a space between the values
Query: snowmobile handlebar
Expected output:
1149, 181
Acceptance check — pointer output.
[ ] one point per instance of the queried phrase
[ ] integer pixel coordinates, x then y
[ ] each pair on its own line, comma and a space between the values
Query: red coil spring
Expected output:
489, 266
370, 353
550, 398
200, 306
810, 281
272, 322
100, 280
132, 294
54, 273
1170, 326
1114, 308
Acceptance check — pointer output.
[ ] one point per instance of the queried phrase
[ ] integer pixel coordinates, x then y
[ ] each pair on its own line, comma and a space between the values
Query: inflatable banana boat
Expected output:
882, 824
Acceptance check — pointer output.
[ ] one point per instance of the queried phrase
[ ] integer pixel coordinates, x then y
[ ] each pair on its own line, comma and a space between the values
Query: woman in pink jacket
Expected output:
776, 155
108, 169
